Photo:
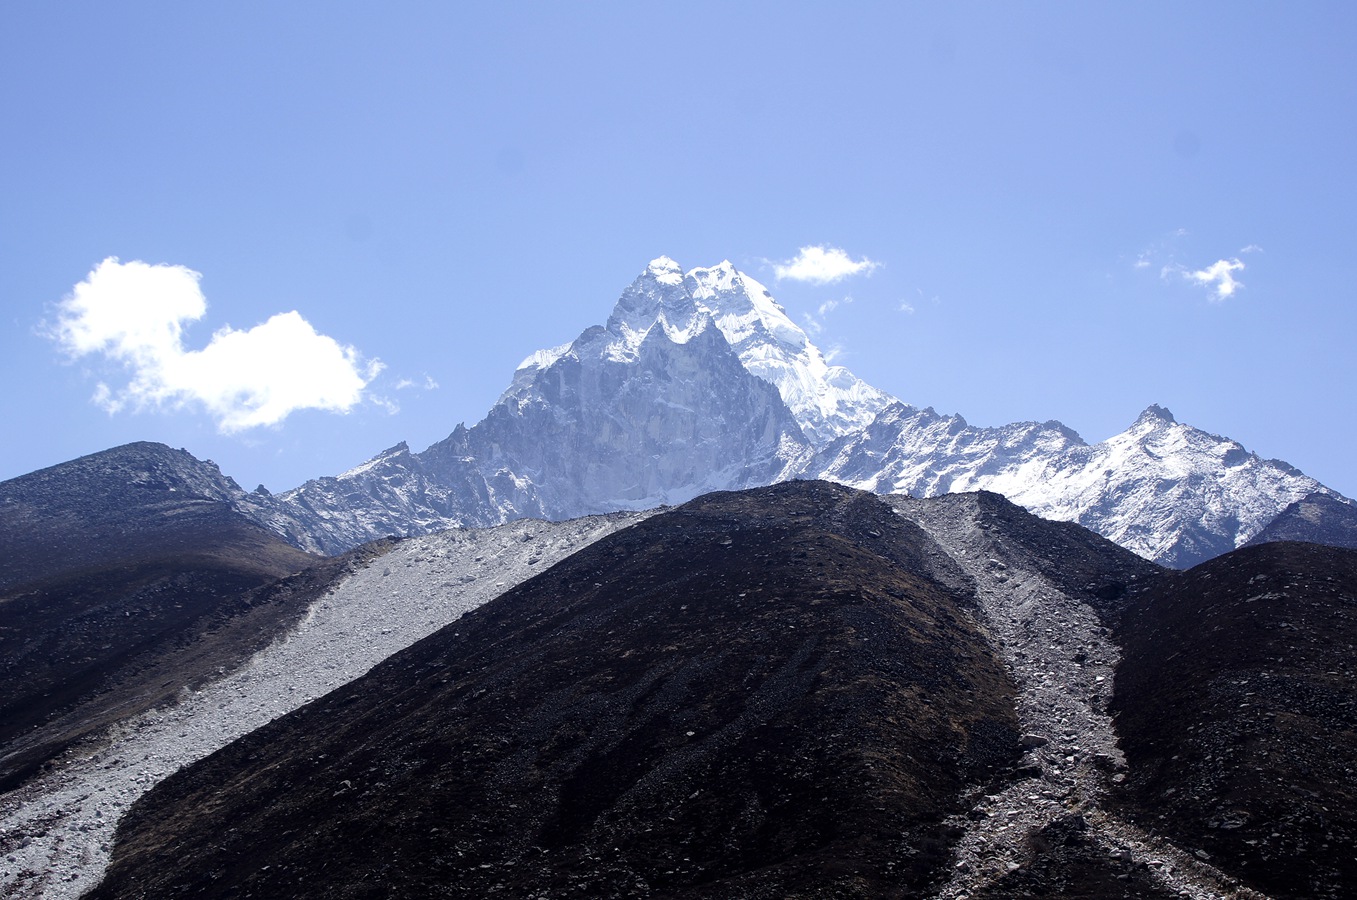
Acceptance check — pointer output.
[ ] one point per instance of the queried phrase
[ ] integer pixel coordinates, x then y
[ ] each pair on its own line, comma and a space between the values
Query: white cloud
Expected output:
822, 265
1251, 248
906, 307
134, 314
1219, 278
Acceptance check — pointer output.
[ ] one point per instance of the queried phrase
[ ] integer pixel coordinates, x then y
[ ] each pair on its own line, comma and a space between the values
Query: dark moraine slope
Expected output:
1316, 519
753, 695
1237, 710
127, 577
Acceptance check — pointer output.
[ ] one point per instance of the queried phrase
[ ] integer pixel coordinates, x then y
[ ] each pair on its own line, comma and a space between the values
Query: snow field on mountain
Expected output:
700, 381
56, 832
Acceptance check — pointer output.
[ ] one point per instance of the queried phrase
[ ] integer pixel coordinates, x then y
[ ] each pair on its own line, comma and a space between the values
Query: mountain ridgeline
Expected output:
699, 381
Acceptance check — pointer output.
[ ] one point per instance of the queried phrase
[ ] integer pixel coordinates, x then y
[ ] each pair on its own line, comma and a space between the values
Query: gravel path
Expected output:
1063, 665
56, 831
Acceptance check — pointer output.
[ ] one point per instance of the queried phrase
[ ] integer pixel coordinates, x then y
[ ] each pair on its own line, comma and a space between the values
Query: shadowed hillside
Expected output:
1237, 711
754, 695
127, 578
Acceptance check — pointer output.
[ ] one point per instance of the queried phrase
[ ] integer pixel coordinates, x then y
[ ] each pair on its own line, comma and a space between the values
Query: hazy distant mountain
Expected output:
701, 382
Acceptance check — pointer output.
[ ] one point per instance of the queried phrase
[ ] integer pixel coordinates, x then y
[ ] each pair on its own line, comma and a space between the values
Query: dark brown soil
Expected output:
754, 695
1237, 710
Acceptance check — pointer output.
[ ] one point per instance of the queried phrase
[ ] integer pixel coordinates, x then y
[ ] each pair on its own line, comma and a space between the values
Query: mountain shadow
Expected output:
127, 578
756, 694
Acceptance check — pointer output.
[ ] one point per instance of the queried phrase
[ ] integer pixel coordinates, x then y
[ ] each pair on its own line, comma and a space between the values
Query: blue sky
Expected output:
1076, 210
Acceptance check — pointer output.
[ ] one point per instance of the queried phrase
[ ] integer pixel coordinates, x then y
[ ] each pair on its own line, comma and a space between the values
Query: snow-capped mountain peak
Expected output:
701, 381
1154, 416
827, 401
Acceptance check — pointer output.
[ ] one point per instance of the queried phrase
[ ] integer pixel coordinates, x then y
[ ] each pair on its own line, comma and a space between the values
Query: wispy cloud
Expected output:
815, 322
428, 384
133, 314
822, 265
1218, 278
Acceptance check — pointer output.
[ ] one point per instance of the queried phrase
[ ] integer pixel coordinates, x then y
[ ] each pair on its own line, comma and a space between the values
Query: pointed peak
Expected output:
1155, 414
665, 270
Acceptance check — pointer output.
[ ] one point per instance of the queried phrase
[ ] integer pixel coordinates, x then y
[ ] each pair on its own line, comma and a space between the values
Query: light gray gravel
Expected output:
56, 831
1063, 665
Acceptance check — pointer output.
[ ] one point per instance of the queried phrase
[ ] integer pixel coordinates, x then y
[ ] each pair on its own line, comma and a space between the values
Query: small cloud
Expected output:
1219, 278
133, 314
1251, 248
906, 308
830, 305
386, 403
822, 265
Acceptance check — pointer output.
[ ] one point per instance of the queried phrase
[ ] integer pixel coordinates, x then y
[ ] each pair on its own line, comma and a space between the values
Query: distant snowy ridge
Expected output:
700, 381
1165, 490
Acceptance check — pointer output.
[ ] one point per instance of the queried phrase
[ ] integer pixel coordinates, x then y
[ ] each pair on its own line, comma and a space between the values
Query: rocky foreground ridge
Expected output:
801, 691
1140, 732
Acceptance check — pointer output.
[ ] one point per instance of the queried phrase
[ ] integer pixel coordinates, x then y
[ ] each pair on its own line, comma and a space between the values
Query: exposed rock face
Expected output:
755, 695
654, 409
